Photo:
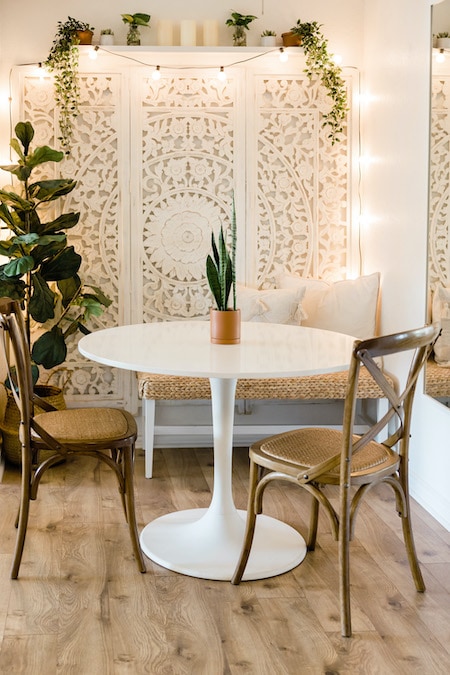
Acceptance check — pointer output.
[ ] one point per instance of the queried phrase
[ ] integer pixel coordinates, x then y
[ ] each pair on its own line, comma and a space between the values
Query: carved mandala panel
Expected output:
439, 259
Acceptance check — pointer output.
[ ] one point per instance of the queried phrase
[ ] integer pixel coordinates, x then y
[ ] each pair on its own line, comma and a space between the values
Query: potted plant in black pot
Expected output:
221, 274
62, 61
42, 268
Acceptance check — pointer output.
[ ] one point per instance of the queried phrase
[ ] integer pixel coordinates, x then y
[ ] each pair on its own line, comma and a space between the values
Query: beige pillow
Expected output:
441, 313
270, 306
348, 306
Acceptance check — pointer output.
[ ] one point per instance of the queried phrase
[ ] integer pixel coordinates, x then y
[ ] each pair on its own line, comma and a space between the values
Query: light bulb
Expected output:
156, 75
283, 55
440, 58
221, 74
93, 53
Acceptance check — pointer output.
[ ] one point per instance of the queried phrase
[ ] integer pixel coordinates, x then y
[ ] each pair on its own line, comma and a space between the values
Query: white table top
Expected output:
184, 348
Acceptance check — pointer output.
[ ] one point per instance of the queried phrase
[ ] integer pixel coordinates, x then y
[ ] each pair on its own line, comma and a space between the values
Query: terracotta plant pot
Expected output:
291, 39
225, 326
85, 36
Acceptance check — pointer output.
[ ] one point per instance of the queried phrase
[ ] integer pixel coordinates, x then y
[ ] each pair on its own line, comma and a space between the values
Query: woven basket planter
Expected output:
10, 425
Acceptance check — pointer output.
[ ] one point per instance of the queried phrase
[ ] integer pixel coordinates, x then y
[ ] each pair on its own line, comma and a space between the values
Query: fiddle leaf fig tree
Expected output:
42, 270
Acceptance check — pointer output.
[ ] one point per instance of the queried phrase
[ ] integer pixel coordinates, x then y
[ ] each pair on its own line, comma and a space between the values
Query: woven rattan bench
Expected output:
329, 386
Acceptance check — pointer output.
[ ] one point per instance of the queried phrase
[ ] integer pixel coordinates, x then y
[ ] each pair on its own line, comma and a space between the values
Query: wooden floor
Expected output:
81, 607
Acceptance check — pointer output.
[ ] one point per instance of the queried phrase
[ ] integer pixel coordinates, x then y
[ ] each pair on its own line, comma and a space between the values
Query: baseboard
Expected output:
438, 505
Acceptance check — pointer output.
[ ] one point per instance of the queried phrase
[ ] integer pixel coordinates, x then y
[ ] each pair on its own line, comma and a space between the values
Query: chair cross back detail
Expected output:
107, 434
315, 457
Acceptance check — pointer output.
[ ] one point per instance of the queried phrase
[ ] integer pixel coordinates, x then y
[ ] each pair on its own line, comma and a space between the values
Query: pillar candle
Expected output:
210, 33
188, 33
165, 33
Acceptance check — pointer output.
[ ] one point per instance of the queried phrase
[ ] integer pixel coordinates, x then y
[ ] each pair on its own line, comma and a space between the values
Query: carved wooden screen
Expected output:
157, 164
439, 256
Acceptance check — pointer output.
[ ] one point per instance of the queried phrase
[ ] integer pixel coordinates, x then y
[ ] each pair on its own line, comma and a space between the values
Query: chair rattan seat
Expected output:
87, 424
312, 446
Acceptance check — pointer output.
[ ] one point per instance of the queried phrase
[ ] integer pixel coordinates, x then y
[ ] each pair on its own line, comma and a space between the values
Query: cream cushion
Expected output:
441, 314
271, 306
348, 306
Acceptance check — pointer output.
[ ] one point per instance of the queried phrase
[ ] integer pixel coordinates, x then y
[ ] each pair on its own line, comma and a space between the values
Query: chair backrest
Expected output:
18, 363
394, 425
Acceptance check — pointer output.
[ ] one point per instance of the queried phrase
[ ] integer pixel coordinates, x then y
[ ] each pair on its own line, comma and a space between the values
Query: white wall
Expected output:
395, 133
391, 40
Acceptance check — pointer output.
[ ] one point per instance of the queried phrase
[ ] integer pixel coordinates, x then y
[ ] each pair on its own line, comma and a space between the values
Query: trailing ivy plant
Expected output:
42, 268
319, 62
62, 61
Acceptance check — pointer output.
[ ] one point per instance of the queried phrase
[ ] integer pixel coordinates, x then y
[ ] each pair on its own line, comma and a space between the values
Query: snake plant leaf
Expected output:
25, 134
62, 266
50, 349
212, 275
42, 302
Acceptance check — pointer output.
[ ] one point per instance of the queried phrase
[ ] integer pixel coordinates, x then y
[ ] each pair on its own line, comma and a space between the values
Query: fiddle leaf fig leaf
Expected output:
44, 154
19, 266
69, 289
63, 266
48, 190
50, 349
64, 222
25, 133
42, 302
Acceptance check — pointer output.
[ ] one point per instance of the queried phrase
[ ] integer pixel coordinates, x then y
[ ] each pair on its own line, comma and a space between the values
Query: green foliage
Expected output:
240, 19
62, 61
319, 62
221, 267
136, 19
268, 33
42, 269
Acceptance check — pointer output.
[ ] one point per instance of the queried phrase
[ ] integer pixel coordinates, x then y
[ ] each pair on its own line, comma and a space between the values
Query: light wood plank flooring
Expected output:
80, 606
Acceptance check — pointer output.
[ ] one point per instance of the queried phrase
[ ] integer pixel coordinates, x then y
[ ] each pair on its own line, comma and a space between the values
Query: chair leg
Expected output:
249, 527
148, 407
411, 549
22, 518
313, 523
128, 469
344, 563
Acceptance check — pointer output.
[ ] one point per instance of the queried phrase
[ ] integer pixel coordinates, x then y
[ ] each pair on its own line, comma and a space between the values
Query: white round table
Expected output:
206, 543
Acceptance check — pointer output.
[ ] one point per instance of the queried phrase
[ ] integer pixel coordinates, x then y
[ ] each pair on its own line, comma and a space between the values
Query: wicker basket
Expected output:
10, 425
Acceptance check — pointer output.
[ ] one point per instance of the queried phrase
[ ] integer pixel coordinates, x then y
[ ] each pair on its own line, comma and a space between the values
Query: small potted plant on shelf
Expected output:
320, 62
268, 38
106, 36
221, 274
135, 21
62, 61
443, 40
240, 23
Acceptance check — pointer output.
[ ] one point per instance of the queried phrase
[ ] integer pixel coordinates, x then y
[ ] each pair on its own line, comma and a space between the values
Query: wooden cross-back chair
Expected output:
108, 434
315, 457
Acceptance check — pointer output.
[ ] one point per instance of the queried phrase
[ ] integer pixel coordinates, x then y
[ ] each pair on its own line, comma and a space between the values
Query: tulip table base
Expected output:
203, 544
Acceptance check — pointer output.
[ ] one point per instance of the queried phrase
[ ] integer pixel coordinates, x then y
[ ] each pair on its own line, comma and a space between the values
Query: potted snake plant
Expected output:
221, 274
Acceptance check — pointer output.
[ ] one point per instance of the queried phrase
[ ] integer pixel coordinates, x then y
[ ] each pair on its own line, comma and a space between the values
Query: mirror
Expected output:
437, 380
